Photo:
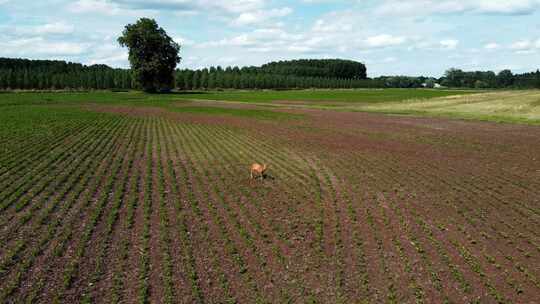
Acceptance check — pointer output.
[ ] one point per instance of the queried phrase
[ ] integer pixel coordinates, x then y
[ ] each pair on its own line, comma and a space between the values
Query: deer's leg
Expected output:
251, 174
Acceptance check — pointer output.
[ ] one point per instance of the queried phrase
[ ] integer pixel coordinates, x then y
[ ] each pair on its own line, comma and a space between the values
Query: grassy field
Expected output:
317, 97
132, 198
512, 106
497, 106
325, 97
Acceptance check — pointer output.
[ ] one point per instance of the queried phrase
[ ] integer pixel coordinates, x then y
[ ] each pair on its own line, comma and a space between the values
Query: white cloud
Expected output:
234, 7
109, 55
492, 46
389, 60
94, 6
239, 12
260, 16
239, 6
384, 40
507, 7
41, 46
526, 46
522, 45
418, 7
335, 23
184, 41
449, 44
267, 38
395, 33
428, 7
105, 7
55, 28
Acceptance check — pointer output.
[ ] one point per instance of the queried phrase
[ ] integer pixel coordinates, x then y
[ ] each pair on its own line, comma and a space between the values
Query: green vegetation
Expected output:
309, 97
325, 97
157, 206
24, 74
509, 106
329, 68
153, 55
295, 74
247, 113
504, 106
457, 78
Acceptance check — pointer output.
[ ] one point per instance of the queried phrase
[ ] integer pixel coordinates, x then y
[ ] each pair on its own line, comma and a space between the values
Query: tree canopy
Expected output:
27, 74
329, 68
488, 79
153, 55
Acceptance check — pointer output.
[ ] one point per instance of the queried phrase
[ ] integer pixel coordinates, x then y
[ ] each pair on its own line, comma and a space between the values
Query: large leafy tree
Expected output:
153, 55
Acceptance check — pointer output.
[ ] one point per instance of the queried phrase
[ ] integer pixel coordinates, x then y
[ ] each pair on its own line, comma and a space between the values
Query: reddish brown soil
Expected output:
357, 207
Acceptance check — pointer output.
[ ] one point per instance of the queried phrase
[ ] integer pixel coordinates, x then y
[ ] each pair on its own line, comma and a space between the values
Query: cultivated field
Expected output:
126, 198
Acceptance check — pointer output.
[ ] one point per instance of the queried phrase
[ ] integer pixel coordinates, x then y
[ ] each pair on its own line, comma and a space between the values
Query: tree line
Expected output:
258, 78
457, 78
326, 68
27, 74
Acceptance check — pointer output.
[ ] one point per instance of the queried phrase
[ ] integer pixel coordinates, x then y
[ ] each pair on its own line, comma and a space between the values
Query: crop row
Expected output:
53, 225
151, 209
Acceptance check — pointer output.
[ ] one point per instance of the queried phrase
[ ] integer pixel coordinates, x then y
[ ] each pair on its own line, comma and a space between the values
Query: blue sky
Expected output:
406, 37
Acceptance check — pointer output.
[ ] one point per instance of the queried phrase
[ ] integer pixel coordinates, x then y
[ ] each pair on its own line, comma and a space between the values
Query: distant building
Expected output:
431, 85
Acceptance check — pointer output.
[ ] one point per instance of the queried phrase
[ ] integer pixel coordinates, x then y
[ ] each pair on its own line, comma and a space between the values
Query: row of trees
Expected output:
325, 68
254, 78
308, 73
154, 55
487, 79
89, 79
46, 74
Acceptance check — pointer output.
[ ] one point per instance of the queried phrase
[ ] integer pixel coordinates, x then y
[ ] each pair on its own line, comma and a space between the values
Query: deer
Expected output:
258, 169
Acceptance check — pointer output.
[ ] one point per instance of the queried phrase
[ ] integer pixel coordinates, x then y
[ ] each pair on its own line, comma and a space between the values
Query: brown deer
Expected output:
258, 169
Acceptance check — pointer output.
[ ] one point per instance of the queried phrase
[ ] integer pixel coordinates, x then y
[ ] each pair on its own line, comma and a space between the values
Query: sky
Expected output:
392, 37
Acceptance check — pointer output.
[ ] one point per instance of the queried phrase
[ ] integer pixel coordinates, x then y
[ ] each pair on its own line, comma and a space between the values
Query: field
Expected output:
131, 198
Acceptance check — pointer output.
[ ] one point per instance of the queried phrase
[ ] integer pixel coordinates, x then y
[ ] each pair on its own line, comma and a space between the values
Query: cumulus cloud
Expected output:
261, 39
492, 46
108, 53
237, 6
521, 45
184, 41
55, 28
95, 6
507, 7
41, 46
450, 44
329, 25
47, 29
428, 7
384, 40
239, 12
259, 16
238, 31
526, 46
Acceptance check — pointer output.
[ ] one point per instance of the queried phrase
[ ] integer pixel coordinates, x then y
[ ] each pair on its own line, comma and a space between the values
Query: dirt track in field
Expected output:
159, 207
